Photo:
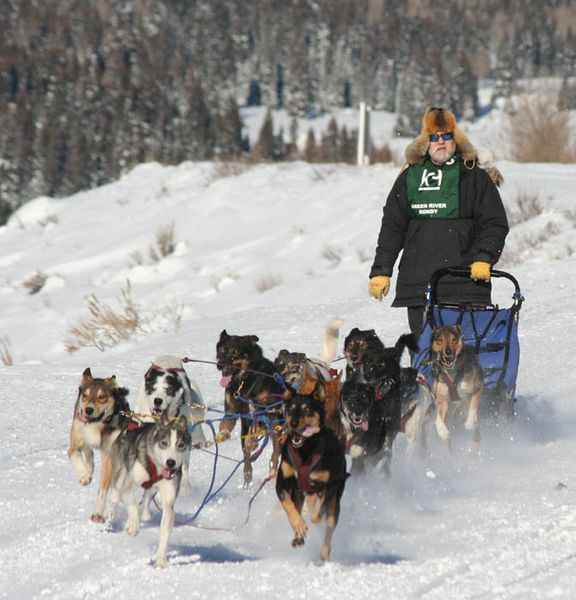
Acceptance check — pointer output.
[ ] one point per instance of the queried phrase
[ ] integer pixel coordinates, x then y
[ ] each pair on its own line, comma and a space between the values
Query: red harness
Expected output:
153, 472
304, 469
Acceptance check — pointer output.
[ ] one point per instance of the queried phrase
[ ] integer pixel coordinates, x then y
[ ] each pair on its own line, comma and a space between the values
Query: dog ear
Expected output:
254, 339
224, 335
457, 330
182, 423
111, 381
86, 376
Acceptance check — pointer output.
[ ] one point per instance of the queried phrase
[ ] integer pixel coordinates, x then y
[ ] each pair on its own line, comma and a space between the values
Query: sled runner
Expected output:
491, 330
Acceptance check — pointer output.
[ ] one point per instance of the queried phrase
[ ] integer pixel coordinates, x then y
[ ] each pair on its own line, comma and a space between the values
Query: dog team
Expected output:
314, 421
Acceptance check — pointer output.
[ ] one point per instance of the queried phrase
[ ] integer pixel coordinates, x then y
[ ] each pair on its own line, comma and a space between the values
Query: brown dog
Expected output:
251, 394
458, 382
97, 422
314, 377
312, 468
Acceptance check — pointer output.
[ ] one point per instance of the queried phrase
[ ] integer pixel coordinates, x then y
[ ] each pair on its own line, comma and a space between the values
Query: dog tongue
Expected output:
364, 425
167, 473
226, 380
310, 431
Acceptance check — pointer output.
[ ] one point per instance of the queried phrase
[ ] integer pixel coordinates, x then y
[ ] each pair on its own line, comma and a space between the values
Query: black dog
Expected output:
251, 393
365, 422
312, 467
381, 370
356, 344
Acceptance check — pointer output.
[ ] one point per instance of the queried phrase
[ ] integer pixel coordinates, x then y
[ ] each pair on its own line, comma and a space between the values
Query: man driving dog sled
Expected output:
444, 210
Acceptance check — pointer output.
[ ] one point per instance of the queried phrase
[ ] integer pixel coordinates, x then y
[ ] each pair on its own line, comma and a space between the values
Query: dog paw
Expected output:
300, 531
85, 478
442, 430
471, 422
146, 514
132, 527
160, 561
325, 552
96, 518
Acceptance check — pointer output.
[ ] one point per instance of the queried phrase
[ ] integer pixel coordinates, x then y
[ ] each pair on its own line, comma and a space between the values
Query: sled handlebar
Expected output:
464, 273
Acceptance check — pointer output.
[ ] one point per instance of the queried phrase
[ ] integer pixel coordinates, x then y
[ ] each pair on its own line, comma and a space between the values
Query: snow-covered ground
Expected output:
276, 250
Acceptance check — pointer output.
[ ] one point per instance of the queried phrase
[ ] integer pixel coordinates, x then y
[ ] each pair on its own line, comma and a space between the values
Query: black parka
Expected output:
430, 244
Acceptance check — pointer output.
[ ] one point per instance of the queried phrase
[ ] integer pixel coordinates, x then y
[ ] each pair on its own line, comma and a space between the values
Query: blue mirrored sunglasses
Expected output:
435, 137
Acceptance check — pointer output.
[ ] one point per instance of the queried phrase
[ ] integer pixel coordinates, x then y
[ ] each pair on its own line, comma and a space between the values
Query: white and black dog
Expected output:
151, 456
167, 388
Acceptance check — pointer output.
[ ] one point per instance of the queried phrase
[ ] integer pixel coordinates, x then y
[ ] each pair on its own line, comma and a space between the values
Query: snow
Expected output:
502, 525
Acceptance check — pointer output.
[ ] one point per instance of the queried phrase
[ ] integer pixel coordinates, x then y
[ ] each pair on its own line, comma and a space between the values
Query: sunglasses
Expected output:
435, 137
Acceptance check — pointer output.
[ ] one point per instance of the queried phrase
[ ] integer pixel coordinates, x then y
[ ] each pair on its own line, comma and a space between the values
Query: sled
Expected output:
491, 330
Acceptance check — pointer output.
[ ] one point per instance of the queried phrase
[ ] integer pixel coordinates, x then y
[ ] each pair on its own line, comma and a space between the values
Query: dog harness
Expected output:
304, 469
153, 472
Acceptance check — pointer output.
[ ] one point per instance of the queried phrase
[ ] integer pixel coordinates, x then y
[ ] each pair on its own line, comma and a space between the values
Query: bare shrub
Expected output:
165, 243
106, 327
364, 255
35, 282
136, 259
217, 280
539, 132
49, 220
332, 254
529, 242
5, 355
223, 169
383, 154
267, 282
526, 207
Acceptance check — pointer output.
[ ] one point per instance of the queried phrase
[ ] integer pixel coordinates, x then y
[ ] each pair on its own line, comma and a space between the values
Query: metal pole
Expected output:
362, 157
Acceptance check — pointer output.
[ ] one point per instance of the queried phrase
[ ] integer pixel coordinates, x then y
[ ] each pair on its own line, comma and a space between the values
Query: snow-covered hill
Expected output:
276, 250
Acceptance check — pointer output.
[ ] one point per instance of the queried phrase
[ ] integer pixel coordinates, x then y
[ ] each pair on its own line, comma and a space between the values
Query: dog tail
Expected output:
406, 341
330, 346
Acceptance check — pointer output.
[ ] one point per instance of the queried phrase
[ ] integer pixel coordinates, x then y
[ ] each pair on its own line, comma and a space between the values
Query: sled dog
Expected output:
312, 468
356, 344
313, 376
252, 393
167, 388
381, 369
97, 420
458, 383
151, 456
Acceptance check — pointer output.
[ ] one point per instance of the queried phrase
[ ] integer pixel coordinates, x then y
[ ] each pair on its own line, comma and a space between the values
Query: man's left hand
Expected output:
480, 271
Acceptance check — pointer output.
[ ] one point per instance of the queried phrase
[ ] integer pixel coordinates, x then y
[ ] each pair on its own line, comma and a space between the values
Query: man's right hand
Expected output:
379, 286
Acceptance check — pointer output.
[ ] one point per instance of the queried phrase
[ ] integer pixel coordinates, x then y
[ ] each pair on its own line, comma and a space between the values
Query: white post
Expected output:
362, 157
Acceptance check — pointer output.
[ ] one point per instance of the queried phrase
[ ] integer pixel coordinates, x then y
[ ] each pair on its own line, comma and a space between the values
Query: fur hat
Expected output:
439, 120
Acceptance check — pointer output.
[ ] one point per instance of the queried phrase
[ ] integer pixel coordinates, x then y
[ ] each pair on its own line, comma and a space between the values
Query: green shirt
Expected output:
433, 190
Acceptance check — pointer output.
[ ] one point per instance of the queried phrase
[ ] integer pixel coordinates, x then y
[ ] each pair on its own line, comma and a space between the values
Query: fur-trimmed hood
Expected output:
442, 120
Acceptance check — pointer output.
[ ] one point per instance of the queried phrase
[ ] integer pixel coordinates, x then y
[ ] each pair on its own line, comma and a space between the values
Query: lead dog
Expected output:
313, 376
312, 468
151, 456
458, 382
167, 388
98, 418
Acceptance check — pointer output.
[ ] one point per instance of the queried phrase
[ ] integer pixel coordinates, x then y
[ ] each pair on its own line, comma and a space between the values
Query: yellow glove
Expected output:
379, 286
480, 271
